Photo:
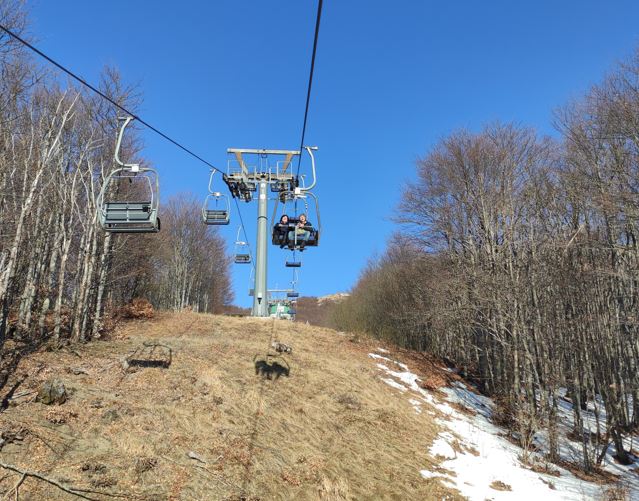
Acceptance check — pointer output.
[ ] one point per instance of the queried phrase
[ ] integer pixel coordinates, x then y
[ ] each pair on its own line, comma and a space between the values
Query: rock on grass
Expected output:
52, 392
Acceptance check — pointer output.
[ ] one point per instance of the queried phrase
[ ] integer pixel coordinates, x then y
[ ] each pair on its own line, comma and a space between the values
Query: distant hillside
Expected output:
234, 310
318, 310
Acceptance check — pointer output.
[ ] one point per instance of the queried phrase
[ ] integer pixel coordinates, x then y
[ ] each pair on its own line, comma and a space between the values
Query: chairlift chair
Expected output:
217, 206
279, 229
242, 254
139, 215
292, 294
242, 259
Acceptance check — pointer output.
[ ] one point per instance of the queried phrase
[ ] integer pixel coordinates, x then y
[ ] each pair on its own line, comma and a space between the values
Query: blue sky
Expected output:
391, 78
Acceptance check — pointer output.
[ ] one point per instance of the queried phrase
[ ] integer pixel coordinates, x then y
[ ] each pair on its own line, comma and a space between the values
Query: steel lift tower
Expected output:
244, 182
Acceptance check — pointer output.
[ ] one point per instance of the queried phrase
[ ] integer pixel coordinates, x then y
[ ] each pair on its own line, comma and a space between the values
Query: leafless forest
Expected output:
61, 276
518, 262
517, 259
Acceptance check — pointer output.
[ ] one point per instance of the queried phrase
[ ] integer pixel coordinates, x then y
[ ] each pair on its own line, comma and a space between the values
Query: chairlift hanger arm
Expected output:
310, 150
118, 145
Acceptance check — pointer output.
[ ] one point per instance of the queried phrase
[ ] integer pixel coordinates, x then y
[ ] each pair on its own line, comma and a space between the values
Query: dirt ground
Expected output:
208, 427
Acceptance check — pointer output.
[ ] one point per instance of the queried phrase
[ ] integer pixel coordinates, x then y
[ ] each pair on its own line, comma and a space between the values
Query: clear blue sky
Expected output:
391, 78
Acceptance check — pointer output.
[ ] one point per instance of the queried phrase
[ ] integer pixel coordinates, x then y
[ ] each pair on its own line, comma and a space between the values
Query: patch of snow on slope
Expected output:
475, 452
417, 405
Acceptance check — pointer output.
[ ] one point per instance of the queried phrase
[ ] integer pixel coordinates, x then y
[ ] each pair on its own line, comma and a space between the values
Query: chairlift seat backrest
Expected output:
216, 216
293, 264
130, 217
128, 211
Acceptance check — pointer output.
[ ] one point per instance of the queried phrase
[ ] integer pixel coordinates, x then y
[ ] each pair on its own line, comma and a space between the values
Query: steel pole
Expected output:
260, 297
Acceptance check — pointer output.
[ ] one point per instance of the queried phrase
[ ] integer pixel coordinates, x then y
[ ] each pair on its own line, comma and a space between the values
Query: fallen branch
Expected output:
15, 488
23, 394
70, 490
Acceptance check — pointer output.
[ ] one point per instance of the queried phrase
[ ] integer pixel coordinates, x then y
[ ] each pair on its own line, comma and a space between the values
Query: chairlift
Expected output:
129, 199
217, 206
242, 253
281, 231
242, 259
298, 191
292, 294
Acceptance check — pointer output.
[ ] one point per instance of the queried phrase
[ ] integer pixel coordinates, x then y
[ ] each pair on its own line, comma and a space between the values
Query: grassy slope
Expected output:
332, 430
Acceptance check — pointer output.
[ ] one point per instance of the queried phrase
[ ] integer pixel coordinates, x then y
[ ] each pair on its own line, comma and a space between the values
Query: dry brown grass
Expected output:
331, 430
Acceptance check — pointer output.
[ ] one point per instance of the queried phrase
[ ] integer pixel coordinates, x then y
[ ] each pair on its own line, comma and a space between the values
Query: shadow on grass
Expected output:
269, 366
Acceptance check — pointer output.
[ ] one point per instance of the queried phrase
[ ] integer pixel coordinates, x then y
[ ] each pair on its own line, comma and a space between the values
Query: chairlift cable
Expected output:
310, 81
104, 96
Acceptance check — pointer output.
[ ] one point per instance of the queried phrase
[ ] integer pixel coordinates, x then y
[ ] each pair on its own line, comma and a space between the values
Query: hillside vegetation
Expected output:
518, 261
61, 276
208, 427
319, 311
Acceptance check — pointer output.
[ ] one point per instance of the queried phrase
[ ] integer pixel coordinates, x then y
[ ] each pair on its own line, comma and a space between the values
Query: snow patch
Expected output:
394, 384
417, 405
475, 452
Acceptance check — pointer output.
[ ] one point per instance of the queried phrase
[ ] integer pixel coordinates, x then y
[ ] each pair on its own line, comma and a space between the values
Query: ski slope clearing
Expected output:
208, 427
476, 456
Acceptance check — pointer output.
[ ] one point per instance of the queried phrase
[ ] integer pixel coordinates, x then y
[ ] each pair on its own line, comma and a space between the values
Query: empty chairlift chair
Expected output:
242, 252
129, 199
217, 209
242, 258
217, 206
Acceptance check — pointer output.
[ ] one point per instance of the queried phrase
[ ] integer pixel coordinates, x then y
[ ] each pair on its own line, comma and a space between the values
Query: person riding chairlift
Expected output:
300, 234
281, 231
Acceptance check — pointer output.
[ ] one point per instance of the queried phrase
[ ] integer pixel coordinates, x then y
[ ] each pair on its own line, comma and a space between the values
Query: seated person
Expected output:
280, 232
300, 235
